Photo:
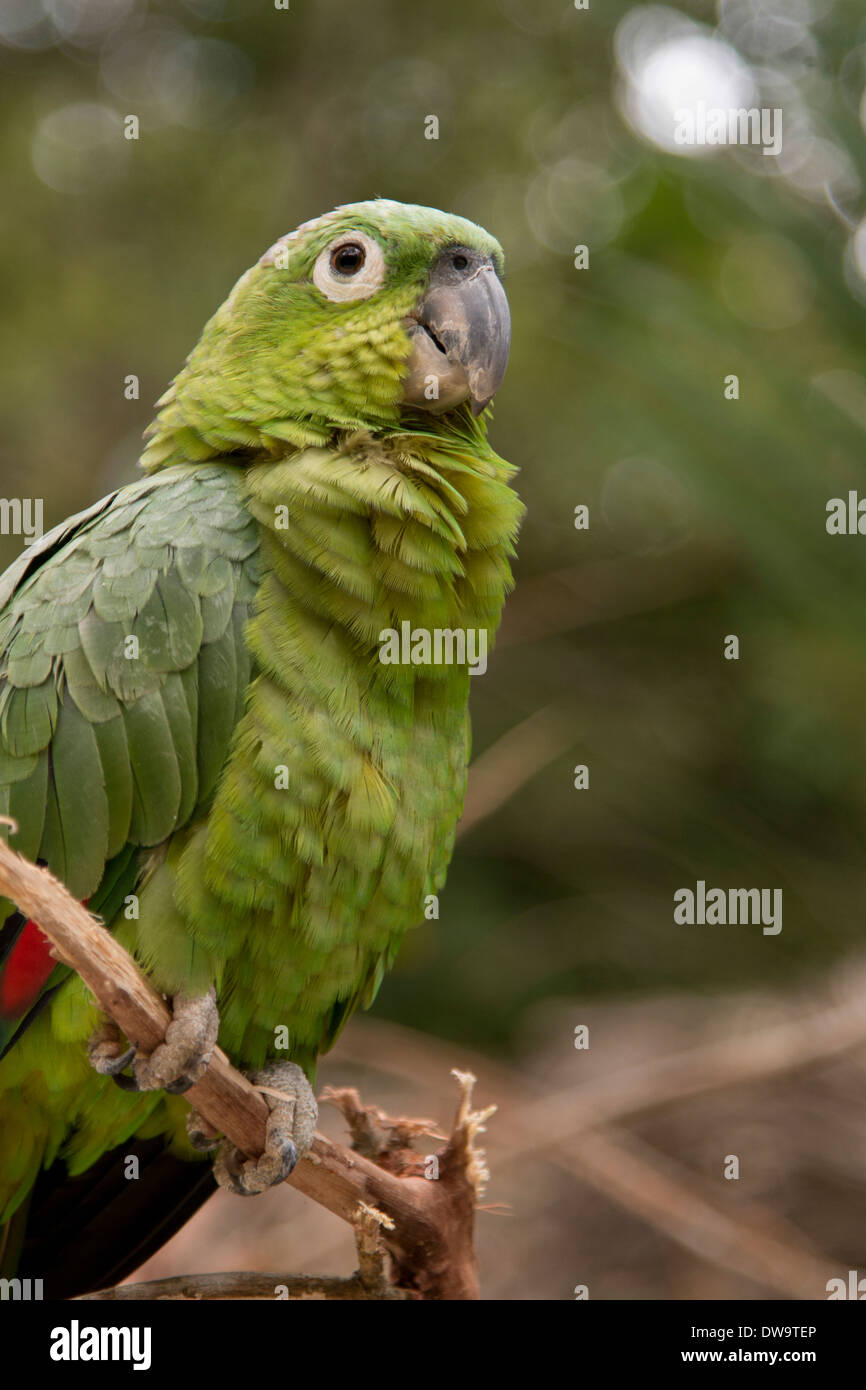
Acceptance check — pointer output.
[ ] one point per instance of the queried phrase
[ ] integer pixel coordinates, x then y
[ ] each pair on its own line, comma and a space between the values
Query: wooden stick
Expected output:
432, 1238
370, 1280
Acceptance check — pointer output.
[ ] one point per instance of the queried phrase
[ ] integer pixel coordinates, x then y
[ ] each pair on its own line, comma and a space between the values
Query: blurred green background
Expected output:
707, 515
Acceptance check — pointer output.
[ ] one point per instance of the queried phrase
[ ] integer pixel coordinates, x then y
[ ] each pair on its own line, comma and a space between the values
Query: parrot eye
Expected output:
352, 267
348, 259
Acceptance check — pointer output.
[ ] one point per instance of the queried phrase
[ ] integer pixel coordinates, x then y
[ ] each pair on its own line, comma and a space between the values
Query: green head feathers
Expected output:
356, 320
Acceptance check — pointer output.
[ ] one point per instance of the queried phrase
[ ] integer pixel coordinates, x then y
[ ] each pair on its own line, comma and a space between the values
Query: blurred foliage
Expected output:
707, 516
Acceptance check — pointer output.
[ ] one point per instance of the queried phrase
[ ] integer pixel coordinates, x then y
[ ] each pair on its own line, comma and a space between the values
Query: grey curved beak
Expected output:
461, 332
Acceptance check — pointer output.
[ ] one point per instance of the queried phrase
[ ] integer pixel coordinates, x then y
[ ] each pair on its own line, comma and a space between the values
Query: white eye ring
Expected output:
365, 281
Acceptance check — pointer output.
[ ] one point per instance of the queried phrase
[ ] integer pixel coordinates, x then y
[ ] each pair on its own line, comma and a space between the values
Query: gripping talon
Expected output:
177, 1063
113, 1066
183, 1083
126, 1083
106, 1051
290, 1131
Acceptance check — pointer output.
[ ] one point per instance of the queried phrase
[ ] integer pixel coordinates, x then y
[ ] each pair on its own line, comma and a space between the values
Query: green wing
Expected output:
123, 671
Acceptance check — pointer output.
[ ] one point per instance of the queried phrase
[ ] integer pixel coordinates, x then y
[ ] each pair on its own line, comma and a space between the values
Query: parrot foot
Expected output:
175, 1064
201, 1133
290, 1132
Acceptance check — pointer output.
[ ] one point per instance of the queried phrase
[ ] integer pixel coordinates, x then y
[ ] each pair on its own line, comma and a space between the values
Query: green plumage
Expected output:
192, 706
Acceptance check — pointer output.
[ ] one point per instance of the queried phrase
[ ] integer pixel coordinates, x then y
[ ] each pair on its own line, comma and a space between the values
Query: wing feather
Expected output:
108, 745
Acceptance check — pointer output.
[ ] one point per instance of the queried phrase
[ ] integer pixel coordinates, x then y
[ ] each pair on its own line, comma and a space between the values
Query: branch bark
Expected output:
196, 1288
431, 1242
370, 1280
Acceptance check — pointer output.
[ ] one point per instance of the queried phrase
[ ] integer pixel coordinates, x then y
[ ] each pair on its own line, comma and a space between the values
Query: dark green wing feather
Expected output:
123, 671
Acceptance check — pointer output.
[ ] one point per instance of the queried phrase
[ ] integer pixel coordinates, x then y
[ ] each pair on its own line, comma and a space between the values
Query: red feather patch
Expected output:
27, 970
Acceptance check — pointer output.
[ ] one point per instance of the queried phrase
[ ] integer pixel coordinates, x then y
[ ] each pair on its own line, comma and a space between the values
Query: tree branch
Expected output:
196, 1288
370, 1280
431, 1242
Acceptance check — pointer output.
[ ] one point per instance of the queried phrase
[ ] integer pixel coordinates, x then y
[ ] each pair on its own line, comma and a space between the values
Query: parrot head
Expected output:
359, 319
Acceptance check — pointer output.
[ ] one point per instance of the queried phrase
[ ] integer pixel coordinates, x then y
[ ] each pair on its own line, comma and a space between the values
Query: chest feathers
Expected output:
384, 575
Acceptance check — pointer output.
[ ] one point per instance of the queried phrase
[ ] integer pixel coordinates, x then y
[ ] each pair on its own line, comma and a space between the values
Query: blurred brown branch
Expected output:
630, 1093
651, 1186
732, 1061
571, 1128
512, 760
562, 600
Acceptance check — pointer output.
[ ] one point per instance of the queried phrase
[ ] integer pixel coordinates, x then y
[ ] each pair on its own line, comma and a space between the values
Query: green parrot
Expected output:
233, 716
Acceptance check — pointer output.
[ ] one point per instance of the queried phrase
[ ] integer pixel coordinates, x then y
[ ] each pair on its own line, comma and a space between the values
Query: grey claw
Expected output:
126, 1083
131, 1083
179, 1087
118, 1064
175, 1064
201, 1134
